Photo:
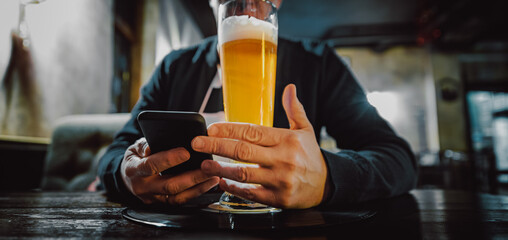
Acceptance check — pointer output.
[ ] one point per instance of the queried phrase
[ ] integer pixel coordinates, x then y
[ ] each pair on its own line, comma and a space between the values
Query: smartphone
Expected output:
165, 130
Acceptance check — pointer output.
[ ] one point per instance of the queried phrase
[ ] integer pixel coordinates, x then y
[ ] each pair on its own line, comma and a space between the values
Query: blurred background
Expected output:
436, 70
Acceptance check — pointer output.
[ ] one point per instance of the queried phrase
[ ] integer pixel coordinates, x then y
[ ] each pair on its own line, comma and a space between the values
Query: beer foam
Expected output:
245, 27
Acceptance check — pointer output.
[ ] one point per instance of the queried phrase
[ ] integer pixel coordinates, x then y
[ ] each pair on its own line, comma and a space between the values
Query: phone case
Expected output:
165, 130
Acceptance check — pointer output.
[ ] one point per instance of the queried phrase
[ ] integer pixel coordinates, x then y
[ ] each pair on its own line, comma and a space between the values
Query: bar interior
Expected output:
72, 72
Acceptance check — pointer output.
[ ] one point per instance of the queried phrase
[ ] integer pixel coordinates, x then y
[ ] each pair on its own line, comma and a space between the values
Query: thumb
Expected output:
294, 109
146, 150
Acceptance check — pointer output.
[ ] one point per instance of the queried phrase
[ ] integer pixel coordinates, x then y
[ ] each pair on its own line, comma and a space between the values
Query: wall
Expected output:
400, 82
71, 48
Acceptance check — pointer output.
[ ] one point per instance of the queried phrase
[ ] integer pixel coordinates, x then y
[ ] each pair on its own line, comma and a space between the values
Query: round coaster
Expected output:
200, 218
218, 208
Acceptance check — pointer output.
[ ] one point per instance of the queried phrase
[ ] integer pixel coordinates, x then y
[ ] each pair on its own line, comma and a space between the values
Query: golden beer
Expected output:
247, 42
248, 70
248, 63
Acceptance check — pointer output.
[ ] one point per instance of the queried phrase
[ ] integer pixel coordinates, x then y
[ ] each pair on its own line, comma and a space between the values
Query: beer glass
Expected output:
247, 43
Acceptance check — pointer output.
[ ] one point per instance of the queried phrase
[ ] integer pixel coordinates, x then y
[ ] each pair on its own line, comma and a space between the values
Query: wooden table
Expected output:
422, 214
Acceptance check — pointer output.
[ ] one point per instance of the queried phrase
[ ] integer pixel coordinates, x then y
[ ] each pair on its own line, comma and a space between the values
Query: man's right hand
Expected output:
140, 173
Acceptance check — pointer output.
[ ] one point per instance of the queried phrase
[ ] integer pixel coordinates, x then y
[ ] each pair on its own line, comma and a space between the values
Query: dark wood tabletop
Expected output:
422, 214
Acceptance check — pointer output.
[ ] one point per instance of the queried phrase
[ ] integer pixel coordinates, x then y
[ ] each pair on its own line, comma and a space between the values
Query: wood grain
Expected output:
422, 214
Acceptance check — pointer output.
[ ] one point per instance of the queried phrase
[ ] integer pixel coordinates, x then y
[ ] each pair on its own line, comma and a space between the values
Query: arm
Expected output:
375, 162
293, 172
130, 172
109, 165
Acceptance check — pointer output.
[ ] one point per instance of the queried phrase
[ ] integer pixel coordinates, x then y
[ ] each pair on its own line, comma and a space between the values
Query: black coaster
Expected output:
196, 217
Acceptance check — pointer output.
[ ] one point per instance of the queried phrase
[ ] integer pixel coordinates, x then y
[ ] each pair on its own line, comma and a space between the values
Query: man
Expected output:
292, 171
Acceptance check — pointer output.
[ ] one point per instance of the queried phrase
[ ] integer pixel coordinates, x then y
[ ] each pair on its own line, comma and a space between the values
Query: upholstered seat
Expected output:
77, 144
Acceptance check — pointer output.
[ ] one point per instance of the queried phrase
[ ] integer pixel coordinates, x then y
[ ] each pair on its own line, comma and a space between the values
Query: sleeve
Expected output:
151, 98
374, 162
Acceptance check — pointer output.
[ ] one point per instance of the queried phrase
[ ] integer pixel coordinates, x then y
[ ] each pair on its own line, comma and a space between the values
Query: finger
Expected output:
176, 184
246, 173
234, 149
146, 150
142, 147
147, 199
188, 194
156, 163
256, 193
256, 134
294, 109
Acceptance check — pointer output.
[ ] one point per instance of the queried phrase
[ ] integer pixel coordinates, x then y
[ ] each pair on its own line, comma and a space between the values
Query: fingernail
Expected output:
184, 154
213, 130
206, 165
216, 179
198, 143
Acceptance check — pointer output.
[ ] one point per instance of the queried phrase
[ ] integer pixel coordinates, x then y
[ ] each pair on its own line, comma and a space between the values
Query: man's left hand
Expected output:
289, 170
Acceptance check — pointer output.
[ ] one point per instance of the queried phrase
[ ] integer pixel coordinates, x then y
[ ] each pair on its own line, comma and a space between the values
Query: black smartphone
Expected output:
165, 130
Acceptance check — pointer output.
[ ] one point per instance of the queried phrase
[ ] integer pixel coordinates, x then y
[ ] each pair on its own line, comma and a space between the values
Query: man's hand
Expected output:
140, 173
291, 170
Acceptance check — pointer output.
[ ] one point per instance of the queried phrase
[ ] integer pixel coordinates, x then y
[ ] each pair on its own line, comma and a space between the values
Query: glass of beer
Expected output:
247, 43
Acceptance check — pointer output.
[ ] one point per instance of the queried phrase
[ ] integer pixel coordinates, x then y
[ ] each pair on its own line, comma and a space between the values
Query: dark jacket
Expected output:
373, 162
